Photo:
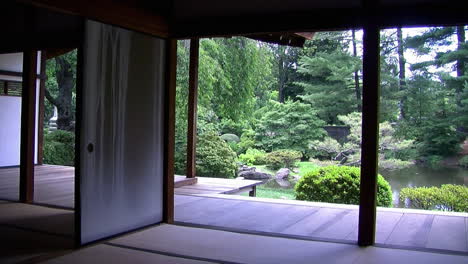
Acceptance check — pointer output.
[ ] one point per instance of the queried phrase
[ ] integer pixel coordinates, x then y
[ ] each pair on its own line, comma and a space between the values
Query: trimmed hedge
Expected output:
448, 197
59, 148
282, 159
214, 157
338, 184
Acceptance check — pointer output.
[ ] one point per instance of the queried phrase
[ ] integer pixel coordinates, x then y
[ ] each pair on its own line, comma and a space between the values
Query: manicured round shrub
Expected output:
338, 184
282, 159
214, 157
59, 148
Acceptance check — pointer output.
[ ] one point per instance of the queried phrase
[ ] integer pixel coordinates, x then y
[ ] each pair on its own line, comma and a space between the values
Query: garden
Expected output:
263, 111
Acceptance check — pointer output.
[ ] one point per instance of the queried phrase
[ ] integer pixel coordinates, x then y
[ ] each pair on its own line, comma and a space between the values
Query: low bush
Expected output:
59, 148
448, 197
214, 157
338, 184
253, 157
463, 162
282, 159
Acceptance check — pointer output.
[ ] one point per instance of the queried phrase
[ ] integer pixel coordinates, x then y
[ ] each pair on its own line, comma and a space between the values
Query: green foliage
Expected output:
282, 159
328, 148
448, 197
433, 161
463, 162
247, 140
291, 125
439, 139
336, 184
59, 148
253, 157
230, 138
329, 84
214, 157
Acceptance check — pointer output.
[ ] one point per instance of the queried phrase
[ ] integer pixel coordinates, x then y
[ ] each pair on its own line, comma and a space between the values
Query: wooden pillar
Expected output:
5, 88
40, 122
169, 130
370, 134
28, 118
192, 109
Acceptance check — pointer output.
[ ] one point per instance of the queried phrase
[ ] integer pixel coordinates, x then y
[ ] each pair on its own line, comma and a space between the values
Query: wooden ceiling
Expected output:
256, 18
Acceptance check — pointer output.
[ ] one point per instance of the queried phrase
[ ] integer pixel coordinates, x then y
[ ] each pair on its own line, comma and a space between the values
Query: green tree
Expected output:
291, 125
61, 89
330, 85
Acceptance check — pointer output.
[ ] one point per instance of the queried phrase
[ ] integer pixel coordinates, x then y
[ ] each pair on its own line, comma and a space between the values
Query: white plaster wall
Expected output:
10, 124
10, 113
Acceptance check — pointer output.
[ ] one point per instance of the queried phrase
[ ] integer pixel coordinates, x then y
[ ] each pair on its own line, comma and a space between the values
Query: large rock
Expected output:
250, 173
282, 173
283, 183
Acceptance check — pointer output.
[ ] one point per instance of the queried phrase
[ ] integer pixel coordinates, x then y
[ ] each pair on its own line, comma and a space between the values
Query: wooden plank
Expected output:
202, 211
413, 230
449, 233
184, 199
192, 109
169, 130
40, 122
370, 135
316, 223
342, 227
28, 116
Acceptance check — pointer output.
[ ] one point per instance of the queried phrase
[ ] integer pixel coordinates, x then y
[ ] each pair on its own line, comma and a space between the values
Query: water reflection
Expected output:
418, 176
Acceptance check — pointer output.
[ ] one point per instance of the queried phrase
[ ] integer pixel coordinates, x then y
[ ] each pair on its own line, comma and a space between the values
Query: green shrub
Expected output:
247, 140
448, 197
214, 157
463, 162
230, 138
253, 157
338, 184
282, 159
433, 161
59, 148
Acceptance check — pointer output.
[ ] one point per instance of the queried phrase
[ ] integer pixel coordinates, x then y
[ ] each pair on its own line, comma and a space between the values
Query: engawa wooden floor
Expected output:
397, 228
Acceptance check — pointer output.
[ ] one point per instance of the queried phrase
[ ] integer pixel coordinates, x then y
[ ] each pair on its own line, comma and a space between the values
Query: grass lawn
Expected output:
302, 166
274, 193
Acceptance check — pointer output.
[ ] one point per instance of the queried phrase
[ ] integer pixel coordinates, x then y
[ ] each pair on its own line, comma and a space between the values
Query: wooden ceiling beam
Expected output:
316, 20
118, 13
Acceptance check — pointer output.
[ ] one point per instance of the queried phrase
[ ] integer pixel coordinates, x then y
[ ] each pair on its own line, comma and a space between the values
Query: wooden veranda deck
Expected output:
202, 206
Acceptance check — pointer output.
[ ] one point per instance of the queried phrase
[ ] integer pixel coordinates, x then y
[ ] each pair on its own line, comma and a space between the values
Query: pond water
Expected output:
414, 176
418, 176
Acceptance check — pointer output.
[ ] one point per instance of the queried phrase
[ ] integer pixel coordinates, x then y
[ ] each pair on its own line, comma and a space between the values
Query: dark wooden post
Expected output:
40, 122
5, 88
370, 134
192, 109
28, 114
169, 133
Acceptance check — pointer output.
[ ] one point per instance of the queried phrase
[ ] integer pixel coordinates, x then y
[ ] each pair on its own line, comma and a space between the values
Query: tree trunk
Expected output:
63, 102
460, 64
281, 73
356, 75
401, 74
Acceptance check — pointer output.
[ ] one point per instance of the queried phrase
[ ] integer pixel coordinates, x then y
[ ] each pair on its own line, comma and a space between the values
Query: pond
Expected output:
418, 176
414, 176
